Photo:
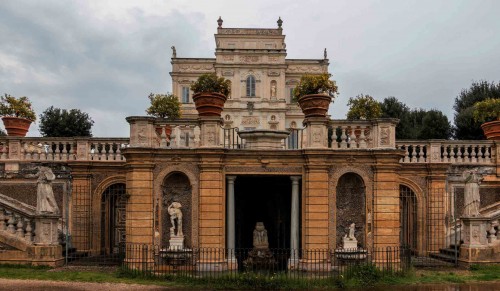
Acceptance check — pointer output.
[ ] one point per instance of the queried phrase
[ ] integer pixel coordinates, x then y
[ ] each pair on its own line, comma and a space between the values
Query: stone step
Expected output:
450, 252
443, 257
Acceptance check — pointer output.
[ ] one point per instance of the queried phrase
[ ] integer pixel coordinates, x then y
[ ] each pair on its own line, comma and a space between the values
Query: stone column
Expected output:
230, 218
294, 223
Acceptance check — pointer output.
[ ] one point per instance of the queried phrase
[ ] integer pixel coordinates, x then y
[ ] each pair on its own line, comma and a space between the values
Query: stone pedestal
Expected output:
176, 242
263, 139
475, 248
210, 131
350, 243
46, 230
316, 133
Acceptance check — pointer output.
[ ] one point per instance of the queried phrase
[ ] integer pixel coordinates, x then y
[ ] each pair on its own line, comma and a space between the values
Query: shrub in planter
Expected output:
17, 114
210, 94
314, 93
488, 112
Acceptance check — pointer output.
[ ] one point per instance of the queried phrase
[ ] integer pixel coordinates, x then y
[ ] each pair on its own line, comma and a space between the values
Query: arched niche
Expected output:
176, 187
351, 207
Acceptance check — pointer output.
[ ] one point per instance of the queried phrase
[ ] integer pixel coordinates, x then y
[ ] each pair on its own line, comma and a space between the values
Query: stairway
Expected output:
449, 254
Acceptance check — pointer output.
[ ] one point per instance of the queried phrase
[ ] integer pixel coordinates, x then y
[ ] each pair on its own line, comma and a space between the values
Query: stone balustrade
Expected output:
362, 134
17, 220
35, 149
477, 152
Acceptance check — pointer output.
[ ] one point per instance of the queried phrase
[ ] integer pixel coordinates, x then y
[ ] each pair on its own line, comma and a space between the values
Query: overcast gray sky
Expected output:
105, 57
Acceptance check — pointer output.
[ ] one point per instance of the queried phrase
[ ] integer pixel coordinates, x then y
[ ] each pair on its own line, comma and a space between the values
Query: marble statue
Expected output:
472, 198
260, 240
45, 202
349, 240
174, 210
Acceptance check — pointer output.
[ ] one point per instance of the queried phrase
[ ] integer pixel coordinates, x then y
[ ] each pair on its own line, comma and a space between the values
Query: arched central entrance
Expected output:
408, 217
113, 205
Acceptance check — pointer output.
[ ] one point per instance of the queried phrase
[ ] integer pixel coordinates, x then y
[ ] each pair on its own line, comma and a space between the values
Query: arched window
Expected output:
250, 86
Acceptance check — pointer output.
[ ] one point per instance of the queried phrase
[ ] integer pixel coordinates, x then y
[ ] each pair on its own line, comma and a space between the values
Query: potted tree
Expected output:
210, 94
488, 112
17, 114
164, 106
314, 93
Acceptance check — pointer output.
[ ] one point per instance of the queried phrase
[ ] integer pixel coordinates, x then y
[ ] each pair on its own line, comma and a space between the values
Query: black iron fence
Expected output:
149, 260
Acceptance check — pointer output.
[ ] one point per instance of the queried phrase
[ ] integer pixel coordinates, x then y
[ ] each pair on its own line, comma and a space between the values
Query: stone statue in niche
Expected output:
350, 241
260, 240
45, 202
472, 199
174, 210
273, 89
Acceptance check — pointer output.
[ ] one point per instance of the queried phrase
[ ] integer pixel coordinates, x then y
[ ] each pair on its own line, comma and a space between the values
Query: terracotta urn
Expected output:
315, 105
209, 104
491, 129
16, 126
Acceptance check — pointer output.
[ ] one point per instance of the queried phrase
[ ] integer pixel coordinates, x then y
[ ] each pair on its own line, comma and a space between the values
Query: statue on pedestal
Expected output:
45, 202
174, 210
260, 257
350, 241
472, 199
176, 239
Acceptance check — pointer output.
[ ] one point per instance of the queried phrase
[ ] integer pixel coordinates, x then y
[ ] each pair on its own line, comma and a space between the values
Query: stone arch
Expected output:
350, 207
190, 225
420, 209
366, 174
97, 208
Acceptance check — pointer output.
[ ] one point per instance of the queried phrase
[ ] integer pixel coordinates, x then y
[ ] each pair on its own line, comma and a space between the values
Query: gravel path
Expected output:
39, 285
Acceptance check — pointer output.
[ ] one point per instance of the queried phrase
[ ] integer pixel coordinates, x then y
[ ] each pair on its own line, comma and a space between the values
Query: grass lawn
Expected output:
361, 277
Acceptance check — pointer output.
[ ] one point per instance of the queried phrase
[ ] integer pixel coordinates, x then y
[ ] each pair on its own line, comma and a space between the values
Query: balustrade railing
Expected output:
295, 139
62, 149
17, 219
448, 151
350, 134
231, 139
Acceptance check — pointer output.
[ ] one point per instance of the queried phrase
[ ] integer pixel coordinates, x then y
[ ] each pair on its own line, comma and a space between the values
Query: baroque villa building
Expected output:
312, 183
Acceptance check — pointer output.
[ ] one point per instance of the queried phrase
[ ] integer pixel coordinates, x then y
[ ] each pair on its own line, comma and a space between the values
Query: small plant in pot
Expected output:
210, 94
17, 114
314, 93
488, 112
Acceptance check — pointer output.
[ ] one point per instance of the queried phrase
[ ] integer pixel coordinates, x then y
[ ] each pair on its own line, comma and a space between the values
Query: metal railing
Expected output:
150, 260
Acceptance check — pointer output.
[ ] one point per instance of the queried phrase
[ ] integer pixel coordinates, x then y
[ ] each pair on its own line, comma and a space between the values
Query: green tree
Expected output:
393, 108
363, 107
164, 106
435, 125
465, 127
56, 122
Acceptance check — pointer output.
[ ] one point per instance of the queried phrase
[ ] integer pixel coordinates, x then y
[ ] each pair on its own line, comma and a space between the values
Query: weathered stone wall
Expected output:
351, 199
24, 190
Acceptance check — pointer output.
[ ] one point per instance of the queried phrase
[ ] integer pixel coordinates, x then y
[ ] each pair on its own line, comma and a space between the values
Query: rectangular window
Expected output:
291, 94
185, 94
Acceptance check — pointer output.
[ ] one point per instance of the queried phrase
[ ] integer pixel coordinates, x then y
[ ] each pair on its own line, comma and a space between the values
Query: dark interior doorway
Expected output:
266, 199
113, 204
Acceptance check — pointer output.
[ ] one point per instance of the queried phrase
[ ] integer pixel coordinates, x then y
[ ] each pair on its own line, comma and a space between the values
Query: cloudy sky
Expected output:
105, 57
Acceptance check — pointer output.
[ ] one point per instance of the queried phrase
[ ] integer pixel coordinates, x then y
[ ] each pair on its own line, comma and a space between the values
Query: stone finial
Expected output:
219, 21
325, 54
280, 22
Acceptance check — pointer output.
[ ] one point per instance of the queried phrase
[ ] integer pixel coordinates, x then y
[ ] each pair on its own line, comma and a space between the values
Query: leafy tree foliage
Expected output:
393, 108
363, 107
465, 127
416, 123
164, 106
55, 122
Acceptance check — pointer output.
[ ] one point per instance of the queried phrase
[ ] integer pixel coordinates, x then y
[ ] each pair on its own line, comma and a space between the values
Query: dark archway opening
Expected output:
266, 199
408, 218
113, 206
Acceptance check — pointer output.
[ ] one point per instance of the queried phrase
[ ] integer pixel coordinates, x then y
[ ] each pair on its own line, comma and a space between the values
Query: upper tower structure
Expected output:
254, 60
